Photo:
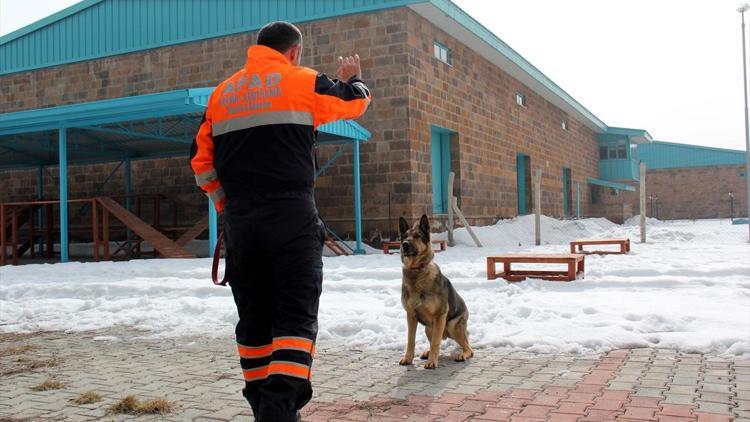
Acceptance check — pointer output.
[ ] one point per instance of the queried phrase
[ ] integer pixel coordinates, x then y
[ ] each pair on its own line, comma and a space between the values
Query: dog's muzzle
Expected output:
408, 249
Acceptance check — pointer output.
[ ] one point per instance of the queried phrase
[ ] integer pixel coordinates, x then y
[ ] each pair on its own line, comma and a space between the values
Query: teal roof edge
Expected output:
608, 184
41, 23
459, 15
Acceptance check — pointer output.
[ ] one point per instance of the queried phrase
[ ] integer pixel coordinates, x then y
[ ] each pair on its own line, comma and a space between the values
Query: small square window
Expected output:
441, 52
622, 152
603, 153
565, 124
520, 99
613, 153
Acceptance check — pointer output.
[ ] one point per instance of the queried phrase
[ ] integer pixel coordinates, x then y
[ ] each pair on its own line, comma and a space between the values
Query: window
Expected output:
520, 99
442, 53
603, 153
622, 153
565, 124
613, 153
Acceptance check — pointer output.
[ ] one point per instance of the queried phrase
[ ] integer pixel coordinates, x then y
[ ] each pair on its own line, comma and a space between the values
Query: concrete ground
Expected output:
201, 377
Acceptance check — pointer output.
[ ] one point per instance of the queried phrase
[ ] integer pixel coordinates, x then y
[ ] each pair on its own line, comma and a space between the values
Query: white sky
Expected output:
672, 67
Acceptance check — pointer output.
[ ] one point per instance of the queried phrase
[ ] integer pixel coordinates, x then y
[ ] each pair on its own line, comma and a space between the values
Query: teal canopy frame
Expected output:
150, 126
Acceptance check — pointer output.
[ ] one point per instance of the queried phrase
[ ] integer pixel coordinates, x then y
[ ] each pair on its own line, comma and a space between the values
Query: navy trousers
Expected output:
275, 270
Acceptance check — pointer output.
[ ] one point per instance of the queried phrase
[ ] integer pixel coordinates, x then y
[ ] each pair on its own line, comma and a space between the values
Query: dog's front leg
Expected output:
437, 336
411, 320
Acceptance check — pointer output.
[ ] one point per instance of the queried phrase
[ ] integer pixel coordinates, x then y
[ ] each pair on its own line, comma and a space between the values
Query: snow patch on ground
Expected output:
688, 288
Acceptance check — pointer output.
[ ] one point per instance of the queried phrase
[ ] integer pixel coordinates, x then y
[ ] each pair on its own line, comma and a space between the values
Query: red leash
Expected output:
215, 266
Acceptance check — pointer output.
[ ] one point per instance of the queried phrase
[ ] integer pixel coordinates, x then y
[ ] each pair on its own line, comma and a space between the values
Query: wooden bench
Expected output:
575, 264
388, 246
576, 246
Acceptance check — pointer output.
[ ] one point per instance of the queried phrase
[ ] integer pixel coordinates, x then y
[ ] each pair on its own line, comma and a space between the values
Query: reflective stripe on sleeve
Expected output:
217, 195
206, 177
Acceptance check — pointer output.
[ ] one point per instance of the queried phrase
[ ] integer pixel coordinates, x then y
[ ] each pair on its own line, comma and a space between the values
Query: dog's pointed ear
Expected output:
424, 225
403, 226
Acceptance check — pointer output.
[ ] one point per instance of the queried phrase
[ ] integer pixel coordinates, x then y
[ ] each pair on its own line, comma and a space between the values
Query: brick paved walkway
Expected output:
201, 377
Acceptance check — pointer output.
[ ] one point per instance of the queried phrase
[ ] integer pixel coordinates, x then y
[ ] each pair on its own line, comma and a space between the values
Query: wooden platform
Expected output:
576, 246
575, 269
389, 246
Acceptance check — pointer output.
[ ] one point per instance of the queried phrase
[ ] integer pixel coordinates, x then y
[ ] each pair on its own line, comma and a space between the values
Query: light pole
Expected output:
742, 9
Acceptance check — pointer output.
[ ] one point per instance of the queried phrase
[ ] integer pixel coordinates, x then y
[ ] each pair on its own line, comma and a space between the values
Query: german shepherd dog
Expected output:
428, 297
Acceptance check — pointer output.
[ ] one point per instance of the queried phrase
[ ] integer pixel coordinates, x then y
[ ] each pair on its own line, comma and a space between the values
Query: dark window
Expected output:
442, 53
595, 199
565, 124
520, 99
622, 152
603, 153
612, 153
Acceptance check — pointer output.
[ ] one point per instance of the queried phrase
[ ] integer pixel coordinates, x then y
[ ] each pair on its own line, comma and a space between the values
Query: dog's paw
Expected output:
425, 355
430, 365
405, 361
463, 356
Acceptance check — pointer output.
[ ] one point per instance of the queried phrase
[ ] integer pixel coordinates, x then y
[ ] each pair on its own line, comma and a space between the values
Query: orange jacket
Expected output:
258, 132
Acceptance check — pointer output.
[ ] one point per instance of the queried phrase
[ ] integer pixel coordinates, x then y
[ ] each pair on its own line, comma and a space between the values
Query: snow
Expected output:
688, 288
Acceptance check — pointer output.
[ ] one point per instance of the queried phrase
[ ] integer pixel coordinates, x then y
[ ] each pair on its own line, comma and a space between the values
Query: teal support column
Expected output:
40, 196
578, 200
358, 250
213, 227
128, 191
62, 140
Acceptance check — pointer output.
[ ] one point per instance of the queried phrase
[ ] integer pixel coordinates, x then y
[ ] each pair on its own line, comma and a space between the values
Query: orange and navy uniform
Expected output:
258, 132
254, 156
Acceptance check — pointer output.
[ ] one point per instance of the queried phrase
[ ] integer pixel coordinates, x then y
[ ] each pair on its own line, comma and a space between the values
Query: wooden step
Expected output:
165, 246
193, 232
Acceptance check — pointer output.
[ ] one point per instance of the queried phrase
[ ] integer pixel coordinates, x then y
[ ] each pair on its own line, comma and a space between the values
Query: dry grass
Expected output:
132, 406
16, 350
24, 364
378, 406
49, 384
7, 337
87, 398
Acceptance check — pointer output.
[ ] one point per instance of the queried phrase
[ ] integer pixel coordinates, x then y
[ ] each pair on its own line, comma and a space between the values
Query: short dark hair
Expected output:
280, 35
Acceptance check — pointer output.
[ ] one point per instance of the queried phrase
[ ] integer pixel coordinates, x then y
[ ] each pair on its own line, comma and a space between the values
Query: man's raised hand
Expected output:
349, 67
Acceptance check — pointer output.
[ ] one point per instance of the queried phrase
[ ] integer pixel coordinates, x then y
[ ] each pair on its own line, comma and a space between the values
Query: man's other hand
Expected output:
349, 67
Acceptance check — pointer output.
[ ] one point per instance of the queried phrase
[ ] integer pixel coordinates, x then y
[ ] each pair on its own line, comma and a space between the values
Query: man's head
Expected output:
284, 38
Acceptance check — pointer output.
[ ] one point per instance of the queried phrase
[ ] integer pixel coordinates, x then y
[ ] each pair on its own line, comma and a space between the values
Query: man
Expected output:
254, 156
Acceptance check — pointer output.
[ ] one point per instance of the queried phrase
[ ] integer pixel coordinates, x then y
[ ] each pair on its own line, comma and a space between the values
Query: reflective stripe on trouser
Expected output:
254, 361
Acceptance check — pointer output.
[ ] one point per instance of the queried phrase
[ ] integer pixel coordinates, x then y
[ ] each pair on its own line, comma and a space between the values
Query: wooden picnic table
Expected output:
388, 246
576, 246
575, 263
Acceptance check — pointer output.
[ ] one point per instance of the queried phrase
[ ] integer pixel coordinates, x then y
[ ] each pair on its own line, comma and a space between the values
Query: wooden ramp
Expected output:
334, 246
162, 244
193, 232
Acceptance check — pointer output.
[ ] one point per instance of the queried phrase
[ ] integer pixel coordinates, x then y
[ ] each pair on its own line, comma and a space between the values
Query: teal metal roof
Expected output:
662, 155
139, 127
608, 184
99, 28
